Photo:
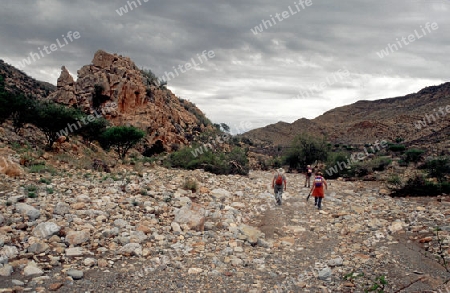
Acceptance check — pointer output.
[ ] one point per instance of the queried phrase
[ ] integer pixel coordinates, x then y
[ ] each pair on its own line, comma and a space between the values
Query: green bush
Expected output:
438, 168
233, 162
121, 138
394, 180
93, 130
420, 186
305, 149
380, 163
337, 166
414, 155
396, 147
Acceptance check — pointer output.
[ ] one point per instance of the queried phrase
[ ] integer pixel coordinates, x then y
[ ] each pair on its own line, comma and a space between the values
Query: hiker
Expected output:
317, 189
277, 184
309, 172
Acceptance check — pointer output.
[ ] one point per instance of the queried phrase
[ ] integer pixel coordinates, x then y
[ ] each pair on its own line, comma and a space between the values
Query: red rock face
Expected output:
128, 99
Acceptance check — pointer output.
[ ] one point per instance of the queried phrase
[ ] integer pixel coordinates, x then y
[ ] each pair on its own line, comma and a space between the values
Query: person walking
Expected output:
317, 189
277, 184
309, 172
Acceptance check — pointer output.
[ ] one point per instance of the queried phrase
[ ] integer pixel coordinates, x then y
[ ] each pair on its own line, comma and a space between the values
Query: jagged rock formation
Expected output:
114, 85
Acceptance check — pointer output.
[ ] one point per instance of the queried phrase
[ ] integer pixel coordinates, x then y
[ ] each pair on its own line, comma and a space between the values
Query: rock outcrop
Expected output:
114, 85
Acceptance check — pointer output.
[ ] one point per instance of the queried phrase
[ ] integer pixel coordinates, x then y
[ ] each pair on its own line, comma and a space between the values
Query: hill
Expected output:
366, 121
17, 81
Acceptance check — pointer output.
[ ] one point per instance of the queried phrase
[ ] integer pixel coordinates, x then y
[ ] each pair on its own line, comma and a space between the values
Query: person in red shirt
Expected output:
277, 184
317, 189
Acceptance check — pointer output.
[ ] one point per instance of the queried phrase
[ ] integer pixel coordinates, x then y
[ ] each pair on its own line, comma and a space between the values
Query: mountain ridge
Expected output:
365, 121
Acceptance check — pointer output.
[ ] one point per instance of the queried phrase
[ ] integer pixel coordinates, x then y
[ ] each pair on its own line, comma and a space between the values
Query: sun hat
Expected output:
280, 170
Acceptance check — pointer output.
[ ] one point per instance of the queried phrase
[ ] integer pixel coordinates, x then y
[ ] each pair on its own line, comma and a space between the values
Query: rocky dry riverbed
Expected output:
84, 231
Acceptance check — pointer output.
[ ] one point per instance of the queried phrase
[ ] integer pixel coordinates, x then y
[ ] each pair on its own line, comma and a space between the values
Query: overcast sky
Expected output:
328, 49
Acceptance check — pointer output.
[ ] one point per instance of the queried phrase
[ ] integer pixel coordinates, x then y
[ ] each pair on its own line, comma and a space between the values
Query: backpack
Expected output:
318, 181
279, 180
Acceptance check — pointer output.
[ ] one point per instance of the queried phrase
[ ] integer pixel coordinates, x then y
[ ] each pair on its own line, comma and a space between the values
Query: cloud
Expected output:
252, 77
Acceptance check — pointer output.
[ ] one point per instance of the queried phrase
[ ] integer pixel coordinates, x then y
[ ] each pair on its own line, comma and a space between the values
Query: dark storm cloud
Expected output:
252, 77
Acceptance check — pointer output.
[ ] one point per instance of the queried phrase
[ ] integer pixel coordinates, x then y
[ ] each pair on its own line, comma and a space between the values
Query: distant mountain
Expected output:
366, 121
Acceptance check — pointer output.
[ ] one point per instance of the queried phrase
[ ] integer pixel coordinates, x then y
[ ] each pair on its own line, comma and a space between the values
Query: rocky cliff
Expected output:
114, 85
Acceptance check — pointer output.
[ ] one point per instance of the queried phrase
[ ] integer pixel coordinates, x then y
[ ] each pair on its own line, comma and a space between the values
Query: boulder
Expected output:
251, 234
9, 252
32, 270
6, 270
75, 274
26, 210
61, 208
131, 249
192, 215
10, 168
37, 247
77, 237
46, 230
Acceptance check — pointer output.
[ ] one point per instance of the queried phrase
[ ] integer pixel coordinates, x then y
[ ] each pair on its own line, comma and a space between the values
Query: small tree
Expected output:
122, 138
225, 127
55, 120
306, 149
22, 111
93, 130
5, 101
438, 167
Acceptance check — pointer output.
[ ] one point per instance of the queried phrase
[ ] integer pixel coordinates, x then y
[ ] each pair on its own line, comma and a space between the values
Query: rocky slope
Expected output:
126, 96
366, 121
121, 232
18, 82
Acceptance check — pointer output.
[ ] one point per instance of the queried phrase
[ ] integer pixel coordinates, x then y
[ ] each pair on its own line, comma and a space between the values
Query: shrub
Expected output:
305, 149
233, 162
122, 138
394, 180
438, 168
413, 155
396, 147
337, 165
45, 180
380, 164
420, 186
41, 168
190, 184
